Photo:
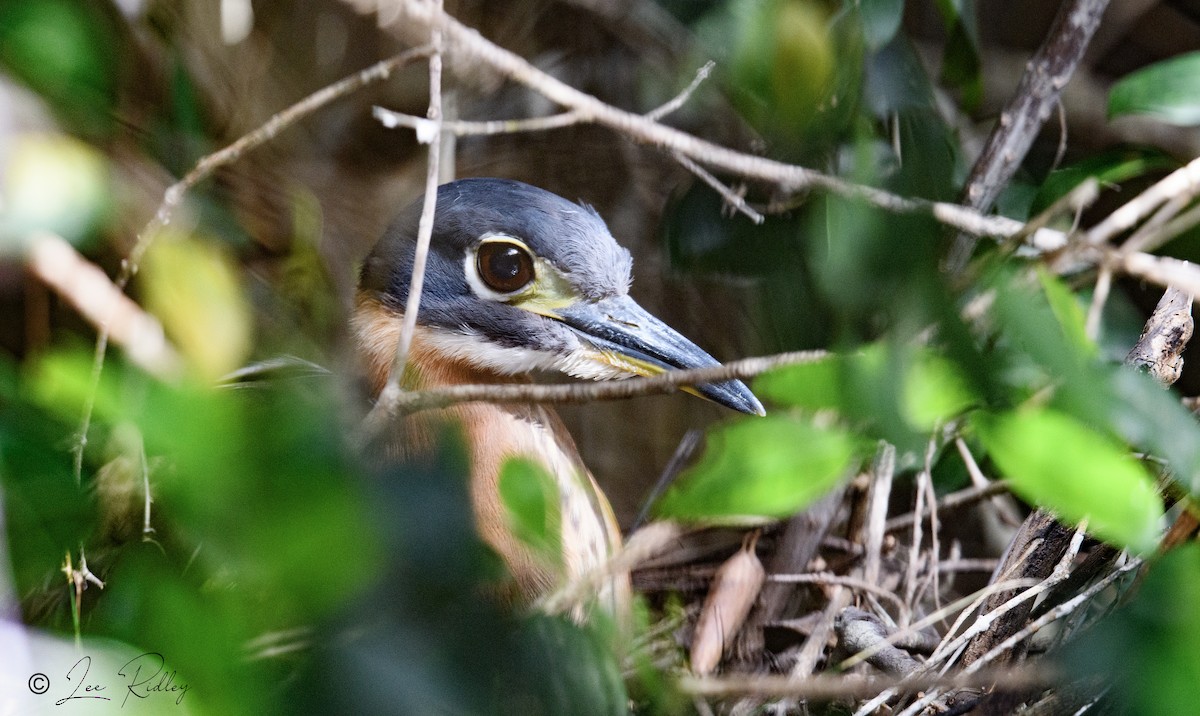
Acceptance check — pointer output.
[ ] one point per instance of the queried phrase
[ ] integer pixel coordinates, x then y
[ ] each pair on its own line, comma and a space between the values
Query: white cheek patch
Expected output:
474, 350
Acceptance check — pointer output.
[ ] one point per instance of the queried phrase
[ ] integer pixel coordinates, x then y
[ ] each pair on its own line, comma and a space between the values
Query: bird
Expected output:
518, 281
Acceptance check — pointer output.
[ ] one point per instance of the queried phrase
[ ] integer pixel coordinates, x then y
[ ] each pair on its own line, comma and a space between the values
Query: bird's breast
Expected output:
495, 434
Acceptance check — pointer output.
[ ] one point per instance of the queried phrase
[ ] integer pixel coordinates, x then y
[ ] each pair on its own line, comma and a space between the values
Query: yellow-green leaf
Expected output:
762, 467
935, 390
1055, 461
192, 286
530, 499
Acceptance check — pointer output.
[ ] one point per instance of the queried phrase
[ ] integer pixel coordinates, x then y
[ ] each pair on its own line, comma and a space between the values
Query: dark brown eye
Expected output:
504, 266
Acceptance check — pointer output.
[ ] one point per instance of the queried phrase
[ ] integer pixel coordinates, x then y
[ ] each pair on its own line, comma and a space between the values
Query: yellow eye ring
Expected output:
504, 265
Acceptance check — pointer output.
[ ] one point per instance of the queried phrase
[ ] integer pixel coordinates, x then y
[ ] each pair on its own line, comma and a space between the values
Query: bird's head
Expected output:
519, 279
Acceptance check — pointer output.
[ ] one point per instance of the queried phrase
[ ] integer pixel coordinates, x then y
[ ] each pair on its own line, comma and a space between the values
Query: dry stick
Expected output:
925, 483
680, 99
1019, 603
465, 128
472, 48
424, 126
882, 472
1074, 201
1058, 612
828, 687
174, 194
583, 392
1136, 242
1005, 506
1184, 181
1022, 118
1185, 221
862, 585
1162, 270
1160, 218
737, 201
381, 411
961, 498
102, 303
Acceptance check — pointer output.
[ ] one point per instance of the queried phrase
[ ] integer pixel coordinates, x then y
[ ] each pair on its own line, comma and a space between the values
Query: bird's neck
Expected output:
494, 433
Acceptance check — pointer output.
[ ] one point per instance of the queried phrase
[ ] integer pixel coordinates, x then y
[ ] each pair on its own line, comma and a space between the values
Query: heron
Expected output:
519, 280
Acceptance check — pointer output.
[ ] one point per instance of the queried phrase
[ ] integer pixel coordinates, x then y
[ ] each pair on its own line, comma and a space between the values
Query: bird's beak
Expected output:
626, 337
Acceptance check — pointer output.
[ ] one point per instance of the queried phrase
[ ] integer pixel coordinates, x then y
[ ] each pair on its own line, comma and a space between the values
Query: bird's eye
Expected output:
504, 266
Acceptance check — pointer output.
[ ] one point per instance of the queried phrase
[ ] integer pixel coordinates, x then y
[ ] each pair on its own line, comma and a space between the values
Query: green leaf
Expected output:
935, 390
1055, 461
961, 64
816, 385
1146, 650
193, 287
530, 498
1109, 167
1067, 310
880, 21
1167, 90
763, 467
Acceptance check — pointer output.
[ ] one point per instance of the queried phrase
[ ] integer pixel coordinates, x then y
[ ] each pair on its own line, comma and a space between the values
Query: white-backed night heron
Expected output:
519, 279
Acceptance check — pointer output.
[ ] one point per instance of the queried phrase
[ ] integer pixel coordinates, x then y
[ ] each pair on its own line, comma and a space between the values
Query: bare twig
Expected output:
882, 471
961, 498
680, 99
471, 48
102, 303
827, 687
392, 389
734, 199
862, 585
1022, 118
581, 392
1184, 181
464, 128
174, 194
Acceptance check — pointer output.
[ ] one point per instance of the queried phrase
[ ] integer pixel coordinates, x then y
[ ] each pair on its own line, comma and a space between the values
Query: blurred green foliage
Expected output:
1167, 90
288, 569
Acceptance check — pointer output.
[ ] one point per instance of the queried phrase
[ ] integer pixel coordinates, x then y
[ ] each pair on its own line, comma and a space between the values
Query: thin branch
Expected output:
1046, 74
472, 49
829, 687
734, 199
392, 389
1184, 181
861, 585
680, 99
1155, 238
1100, 295
102, 303
961, 498
465, 128
581, 392
174, 194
